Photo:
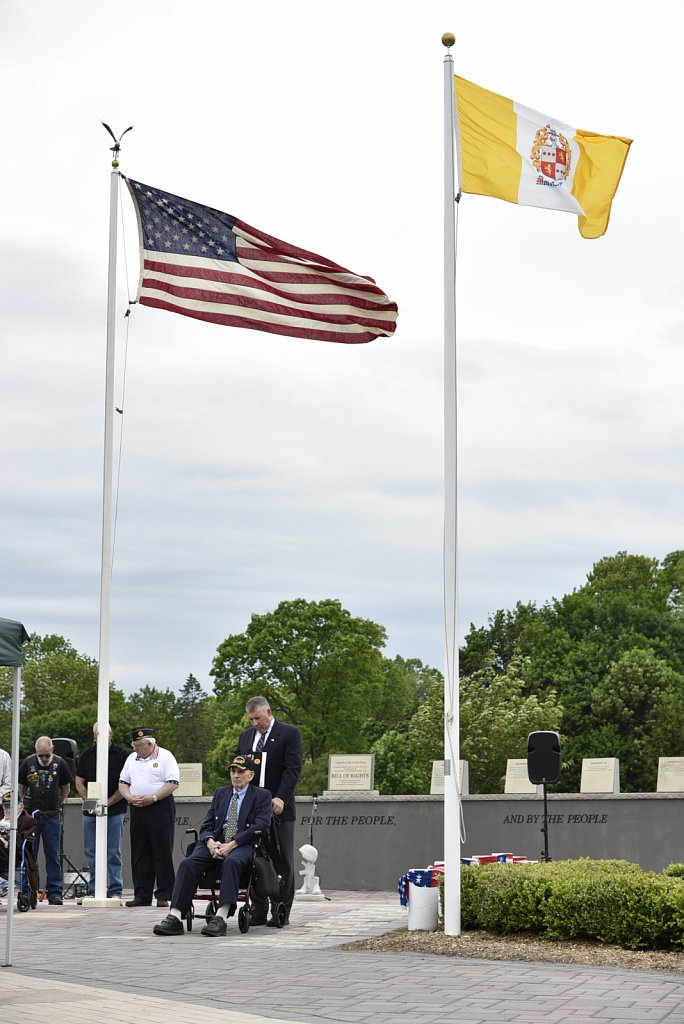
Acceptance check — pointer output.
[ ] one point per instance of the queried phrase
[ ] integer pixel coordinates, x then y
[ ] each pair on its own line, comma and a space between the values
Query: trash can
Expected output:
419, 890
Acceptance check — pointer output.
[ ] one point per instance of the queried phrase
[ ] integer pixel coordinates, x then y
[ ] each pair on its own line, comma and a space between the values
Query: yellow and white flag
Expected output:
511, 152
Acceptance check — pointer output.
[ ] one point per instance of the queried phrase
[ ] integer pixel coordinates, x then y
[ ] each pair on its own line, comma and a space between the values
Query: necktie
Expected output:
262, 740
230, 828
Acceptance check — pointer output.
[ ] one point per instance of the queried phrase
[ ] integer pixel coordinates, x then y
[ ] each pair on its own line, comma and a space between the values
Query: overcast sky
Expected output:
256, 469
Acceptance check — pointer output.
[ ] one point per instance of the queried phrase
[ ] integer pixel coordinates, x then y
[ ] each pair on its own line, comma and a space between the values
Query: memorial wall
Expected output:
367, 842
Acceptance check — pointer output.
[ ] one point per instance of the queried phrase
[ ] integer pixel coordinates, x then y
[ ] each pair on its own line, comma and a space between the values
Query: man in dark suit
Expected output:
226, 836
282, 748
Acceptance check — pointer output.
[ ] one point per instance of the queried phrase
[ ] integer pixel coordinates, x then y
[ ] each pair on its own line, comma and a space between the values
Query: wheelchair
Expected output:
208, 890
25, 876
29, 880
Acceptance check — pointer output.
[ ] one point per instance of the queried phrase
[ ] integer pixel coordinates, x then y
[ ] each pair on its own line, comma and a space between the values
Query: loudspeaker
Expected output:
66, 749
543, 757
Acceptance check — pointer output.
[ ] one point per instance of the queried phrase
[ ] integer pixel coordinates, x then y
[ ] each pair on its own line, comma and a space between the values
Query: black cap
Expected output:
141, 732
246, 762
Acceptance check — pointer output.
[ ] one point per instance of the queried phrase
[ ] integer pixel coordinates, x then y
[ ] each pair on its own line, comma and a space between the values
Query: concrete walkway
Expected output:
73, 965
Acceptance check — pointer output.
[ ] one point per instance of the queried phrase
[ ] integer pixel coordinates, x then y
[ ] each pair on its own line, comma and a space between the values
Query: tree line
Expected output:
603, 665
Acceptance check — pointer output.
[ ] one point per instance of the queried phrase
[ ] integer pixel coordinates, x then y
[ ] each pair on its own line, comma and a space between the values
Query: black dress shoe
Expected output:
215, 926
55, 901
271, 923
162, 903
254, 922
171, 925
138, 903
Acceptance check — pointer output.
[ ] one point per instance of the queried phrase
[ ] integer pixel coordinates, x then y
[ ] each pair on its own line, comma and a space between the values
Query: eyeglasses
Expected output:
44, 757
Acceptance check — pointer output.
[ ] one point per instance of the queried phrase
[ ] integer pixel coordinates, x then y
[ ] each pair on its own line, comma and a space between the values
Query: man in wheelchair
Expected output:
225, 841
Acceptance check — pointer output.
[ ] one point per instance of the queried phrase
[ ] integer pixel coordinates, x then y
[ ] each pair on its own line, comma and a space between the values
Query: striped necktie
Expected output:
230, 827
261, 741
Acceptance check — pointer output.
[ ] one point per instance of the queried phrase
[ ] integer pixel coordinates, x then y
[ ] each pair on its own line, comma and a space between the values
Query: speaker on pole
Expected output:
543, 767
543, 757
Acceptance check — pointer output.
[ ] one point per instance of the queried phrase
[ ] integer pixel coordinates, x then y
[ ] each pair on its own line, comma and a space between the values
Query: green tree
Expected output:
320, 668
194, 722
407, 683
573, 645
496, 718
640, 703
395, 764
673, 571
157, 709
59, 695
220, 756
404, 755
496, 643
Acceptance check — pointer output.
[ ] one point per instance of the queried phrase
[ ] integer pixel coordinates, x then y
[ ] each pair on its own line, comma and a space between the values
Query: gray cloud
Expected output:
256, 469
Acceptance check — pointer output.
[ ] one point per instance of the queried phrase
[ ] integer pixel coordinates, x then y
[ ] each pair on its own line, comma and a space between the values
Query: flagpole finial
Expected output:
448, 39
117, 143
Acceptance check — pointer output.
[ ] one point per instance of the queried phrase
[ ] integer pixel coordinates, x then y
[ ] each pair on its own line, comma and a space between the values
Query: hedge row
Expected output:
611, 901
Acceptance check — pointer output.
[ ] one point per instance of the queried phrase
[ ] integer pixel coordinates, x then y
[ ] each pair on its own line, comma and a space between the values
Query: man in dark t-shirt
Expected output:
44, 784
86, 771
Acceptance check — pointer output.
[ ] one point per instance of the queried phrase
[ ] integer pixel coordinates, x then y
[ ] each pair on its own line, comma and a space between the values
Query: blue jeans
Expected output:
115, 826
49, 829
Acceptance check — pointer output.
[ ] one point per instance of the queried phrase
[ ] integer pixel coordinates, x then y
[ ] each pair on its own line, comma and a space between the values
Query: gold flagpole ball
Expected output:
448, 39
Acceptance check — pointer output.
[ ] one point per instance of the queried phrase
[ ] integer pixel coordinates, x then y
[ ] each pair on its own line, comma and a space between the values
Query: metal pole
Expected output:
11, 867
102, 761
452, 839
545, 829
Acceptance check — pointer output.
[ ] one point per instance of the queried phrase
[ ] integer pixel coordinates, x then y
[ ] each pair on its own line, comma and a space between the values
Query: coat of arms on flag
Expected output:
551, 155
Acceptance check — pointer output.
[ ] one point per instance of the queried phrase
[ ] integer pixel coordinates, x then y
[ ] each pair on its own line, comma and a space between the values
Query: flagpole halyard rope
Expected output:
120, 408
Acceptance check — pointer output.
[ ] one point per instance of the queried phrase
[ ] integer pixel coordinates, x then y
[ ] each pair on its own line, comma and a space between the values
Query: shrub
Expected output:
609, 901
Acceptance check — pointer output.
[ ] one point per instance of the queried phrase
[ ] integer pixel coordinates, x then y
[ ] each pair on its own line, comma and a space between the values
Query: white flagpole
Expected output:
102, 760
452, 842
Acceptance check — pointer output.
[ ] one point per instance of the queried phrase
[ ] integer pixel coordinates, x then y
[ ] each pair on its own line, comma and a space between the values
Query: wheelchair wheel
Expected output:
23, 902
212, 907
244, 919
33, 900
279, 914
188, 920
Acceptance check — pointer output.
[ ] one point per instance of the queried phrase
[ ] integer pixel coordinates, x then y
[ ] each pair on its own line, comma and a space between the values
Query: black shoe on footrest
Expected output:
215, 926
170, 925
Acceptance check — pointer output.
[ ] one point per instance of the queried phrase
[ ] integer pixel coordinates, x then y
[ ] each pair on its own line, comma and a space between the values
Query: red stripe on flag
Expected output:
269, 328
227, 277
250, 302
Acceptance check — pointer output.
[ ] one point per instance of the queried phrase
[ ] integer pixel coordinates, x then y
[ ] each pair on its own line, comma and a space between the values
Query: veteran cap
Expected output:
7, 797
246, 762
141, 732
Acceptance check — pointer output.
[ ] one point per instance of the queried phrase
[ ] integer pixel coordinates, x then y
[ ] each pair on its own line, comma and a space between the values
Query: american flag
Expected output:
209, 265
